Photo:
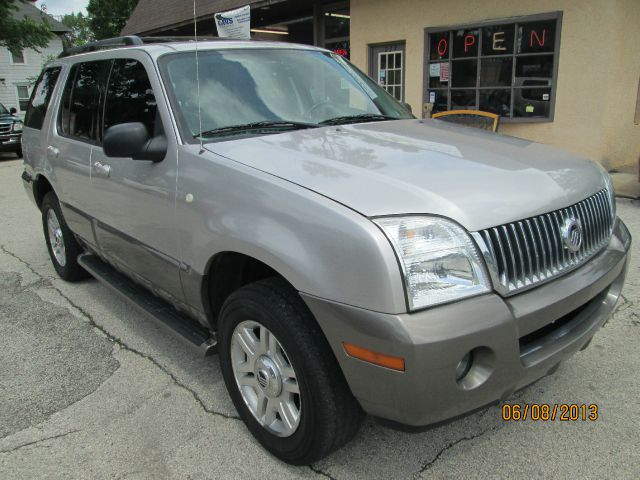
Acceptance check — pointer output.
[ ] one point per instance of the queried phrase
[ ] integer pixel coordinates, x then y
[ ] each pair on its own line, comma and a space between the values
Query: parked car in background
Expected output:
10, 131
343, 256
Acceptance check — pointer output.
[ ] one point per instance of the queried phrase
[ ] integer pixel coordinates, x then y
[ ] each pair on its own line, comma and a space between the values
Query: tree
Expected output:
19, 34
108, 17
80, 26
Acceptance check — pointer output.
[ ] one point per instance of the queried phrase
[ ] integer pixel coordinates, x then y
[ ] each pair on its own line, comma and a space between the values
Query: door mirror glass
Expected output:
132, 140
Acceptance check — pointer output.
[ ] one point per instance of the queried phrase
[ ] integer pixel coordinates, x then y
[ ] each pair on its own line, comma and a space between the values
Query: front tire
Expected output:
61, 243
282, 375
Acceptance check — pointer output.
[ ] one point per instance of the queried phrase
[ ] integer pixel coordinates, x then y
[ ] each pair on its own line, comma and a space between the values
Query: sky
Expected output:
62, 7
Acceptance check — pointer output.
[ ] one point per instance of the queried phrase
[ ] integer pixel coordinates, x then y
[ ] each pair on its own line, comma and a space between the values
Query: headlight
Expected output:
439, 260
17, 126
612, 195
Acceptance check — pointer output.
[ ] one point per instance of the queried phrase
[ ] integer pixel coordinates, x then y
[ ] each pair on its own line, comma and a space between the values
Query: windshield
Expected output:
253, 86
3, 110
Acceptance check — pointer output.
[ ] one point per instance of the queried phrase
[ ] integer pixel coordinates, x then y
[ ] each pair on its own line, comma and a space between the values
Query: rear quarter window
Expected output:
41, 97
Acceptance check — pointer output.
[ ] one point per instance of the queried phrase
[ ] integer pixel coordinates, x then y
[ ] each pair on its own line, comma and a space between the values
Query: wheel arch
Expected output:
226, 272
41, 186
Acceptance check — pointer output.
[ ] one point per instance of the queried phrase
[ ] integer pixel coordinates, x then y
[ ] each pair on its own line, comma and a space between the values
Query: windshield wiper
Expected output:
365, 117
263, 125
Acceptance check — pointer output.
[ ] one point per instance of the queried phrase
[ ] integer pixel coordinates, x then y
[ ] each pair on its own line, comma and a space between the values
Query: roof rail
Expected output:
103, 44
184, 38
131, 40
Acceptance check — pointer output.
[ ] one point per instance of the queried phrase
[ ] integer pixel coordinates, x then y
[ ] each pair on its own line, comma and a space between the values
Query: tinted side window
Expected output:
79, 116
130, 97
40, 98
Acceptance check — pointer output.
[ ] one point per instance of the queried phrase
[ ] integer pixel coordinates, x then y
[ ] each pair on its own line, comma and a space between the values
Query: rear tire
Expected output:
61, 243
327, 415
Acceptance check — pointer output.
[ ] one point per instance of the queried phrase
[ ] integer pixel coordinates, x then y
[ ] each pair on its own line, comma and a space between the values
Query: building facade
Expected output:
18, 72
562, 72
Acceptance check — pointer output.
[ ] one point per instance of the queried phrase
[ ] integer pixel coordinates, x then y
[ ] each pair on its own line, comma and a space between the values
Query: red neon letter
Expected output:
469, 40
442, 47
540, 42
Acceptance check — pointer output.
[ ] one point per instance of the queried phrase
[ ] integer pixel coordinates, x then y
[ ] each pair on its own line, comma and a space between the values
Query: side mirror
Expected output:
13, 111
407, 106
132, 140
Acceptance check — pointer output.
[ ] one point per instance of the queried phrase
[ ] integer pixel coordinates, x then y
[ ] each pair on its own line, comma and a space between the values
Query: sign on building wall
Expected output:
234, 23
506, 67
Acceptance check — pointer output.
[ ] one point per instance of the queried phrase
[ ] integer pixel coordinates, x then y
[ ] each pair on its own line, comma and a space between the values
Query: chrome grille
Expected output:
525, 253
5, 127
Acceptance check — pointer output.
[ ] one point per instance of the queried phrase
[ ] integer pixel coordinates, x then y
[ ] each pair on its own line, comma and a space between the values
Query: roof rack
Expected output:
127, 41
102, 44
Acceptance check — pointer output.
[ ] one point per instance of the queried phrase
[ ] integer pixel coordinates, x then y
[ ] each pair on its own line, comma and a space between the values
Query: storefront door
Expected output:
386, 66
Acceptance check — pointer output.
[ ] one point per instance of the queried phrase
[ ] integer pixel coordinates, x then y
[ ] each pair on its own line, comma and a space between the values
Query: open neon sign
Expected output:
496, 40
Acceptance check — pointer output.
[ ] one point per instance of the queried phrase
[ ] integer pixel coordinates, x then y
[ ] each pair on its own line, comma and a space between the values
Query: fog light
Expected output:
463, 366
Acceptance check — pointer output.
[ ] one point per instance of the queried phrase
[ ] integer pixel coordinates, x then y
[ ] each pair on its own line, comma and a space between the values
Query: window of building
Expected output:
40, 98
79, 116
390, 73
22, 93
17, 58
386, 66
507, 67
130, 97
334, 26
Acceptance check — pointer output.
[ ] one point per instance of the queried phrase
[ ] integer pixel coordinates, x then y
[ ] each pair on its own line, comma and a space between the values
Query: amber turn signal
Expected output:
388, 361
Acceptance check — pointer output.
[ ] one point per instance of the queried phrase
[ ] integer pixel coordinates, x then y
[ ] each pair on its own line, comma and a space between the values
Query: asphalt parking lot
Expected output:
89, 388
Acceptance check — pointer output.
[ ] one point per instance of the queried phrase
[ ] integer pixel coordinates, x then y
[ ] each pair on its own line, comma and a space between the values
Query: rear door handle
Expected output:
102, 169
53, 151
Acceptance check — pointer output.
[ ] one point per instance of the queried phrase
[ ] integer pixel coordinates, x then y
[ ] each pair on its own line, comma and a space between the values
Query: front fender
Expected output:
321, 247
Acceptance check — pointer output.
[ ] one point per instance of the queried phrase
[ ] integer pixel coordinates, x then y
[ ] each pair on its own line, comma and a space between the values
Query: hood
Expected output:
477, 178
7, 118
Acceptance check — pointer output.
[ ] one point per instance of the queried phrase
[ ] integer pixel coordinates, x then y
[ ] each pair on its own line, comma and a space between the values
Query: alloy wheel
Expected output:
266, 378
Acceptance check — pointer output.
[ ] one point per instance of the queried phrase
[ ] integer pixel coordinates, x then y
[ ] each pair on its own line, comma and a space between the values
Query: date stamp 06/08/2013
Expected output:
550, 412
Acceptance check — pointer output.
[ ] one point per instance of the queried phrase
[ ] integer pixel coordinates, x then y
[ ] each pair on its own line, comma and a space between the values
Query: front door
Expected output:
133, 201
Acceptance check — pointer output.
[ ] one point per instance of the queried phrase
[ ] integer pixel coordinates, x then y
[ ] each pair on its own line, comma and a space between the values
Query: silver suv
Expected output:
271, 202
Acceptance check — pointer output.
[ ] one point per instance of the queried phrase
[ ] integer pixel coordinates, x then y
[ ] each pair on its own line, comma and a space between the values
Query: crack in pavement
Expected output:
35, 442
426, 466
321, 472
622, 307
118, 341
40, 276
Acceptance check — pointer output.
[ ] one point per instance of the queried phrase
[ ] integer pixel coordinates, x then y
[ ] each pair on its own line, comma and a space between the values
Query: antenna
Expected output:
195, 34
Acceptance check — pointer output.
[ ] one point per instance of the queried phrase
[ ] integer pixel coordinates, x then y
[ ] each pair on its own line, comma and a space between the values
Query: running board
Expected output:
156, 308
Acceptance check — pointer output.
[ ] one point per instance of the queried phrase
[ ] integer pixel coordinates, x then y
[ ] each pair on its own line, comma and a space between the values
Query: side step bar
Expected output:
156, 308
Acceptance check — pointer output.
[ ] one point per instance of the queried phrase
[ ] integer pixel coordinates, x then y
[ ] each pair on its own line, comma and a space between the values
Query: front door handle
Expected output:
53, 151
102, 169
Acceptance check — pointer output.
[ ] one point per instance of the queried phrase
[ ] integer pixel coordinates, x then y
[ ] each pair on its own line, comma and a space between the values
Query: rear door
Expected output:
133, 201
74, 132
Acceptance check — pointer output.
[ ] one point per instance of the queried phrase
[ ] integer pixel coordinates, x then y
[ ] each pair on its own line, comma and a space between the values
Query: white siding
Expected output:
12, 74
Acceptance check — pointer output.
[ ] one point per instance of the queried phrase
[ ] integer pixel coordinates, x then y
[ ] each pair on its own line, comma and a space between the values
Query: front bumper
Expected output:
10, 142
515, 341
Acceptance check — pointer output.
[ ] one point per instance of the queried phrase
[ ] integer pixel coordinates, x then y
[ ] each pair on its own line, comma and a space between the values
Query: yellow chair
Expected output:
471, 118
